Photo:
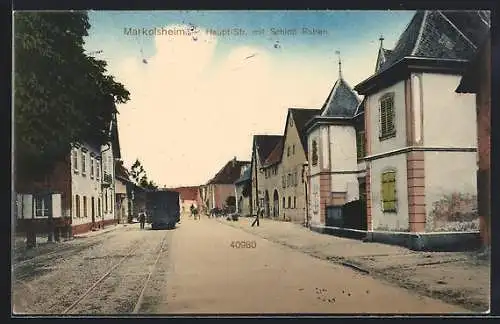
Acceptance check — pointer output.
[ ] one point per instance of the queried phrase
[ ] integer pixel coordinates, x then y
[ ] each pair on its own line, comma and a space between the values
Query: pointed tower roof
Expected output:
342, 100
439, 34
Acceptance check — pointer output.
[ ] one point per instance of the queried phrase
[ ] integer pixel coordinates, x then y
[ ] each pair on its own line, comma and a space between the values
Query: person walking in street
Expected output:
142, 219
259, 211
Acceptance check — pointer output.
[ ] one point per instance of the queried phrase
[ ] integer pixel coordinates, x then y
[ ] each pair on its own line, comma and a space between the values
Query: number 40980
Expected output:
244, 244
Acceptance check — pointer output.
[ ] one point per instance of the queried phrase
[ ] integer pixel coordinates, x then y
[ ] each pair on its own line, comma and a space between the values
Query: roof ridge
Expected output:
420, 32
457, 29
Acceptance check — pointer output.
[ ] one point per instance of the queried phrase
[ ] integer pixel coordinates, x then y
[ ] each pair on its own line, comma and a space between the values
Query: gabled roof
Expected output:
470, 82
383, 54
341, 102
275, 155
229, 173
186, 193
246, 176
121, 172
301, 116
264, 144
440, 34
361, 107
114, 138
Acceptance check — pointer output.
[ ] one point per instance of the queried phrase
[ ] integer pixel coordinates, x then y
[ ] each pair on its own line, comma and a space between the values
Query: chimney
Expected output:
234, 162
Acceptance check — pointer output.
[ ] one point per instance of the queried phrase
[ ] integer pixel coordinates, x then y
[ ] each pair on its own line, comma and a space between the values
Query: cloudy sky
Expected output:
202, 96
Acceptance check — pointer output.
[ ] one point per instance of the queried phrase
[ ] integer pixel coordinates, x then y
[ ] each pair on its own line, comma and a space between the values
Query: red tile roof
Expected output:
230, 173
187, 193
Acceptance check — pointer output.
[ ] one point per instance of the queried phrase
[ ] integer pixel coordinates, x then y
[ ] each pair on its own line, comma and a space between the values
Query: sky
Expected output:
213, 79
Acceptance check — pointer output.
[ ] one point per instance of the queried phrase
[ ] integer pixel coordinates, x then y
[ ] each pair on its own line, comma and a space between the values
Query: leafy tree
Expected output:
61, 95
140, 176
137, 171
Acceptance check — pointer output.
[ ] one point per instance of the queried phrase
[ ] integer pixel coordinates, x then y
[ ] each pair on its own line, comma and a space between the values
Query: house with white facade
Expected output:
78, 193
334, 161
283, 183
262, 146
421, 159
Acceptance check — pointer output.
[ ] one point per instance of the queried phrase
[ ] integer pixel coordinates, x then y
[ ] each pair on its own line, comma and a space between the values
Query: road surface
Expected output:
198, 268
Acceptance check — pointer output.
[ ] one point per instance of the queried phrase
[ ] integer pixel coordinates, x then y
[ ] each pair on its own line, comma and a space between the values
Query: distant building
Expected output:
221, 187
477, 79
123, 193
188, 196
262, 147
243, 188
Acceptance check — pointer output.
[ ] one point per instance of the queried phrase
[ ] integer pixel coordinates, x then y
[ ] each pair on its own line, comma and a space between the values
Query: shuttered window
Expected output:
360, 144
314, 153
388, 192
386, 117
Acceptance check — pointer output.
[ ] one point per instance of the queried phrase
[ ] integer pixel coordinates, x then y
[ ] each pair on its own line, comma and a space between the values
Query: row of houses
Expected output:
88, 190
394, 158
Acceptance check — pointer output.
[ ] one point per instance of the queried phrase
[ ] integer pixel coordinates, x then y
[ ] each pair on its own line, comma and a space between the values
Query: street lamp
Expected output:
304, 178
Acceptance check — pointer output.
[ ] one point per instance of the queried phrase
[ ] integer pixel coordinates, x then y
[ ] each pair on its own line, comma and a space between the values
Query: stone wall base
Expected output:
431, 242
437, 242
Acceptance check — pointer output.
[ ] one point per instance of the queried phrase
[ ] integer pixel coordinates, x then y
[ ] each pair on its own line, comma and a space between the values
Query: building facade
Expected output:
220, 190
333, 138
262, 147
243, 188
419, 177
284, 185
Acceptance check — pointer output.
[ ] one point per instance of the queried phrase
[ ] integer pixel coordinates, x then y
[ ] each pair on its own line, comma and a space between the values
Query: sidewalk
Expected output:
21, 253
461, 278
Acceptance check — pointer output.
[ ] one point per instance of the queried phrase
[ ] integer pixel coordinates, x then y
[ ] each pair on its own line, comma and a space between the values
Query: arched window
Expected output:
284, 202
289, 202
294, 202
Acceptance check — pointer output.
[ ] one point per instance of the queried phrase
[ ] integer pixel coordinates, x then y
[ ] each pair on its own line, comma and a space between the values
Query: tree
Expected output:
61, 95
140, 176
137, 171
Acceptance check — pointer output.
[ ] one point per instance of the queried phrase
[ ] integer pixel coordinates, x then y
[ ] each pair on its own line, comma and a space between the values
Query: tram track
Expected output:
74, 307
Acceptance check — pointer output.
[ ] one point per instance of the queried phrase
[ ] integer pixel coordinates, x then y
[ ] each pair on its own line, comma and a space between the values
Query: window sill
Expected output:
390, 211
387, 136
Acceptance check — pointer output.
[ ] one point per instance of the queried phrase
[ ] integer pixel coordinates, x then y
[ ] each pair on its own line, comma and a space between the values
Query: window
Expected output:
84, 158
284, 202
389, 191
77, 206
288, 151
386, 115
92, 167
75, 160
289, 202
84, 206
296, 179
106, 201
283, 182
294, 202
104, 165
314, 153
293, 149
98, 170
360, 144
99, 211
42, 204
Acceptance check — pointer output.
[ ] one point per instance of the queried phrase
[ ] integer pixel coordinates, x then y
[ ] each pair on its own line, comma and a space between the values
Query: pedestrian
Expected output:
257, 217
142, 219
